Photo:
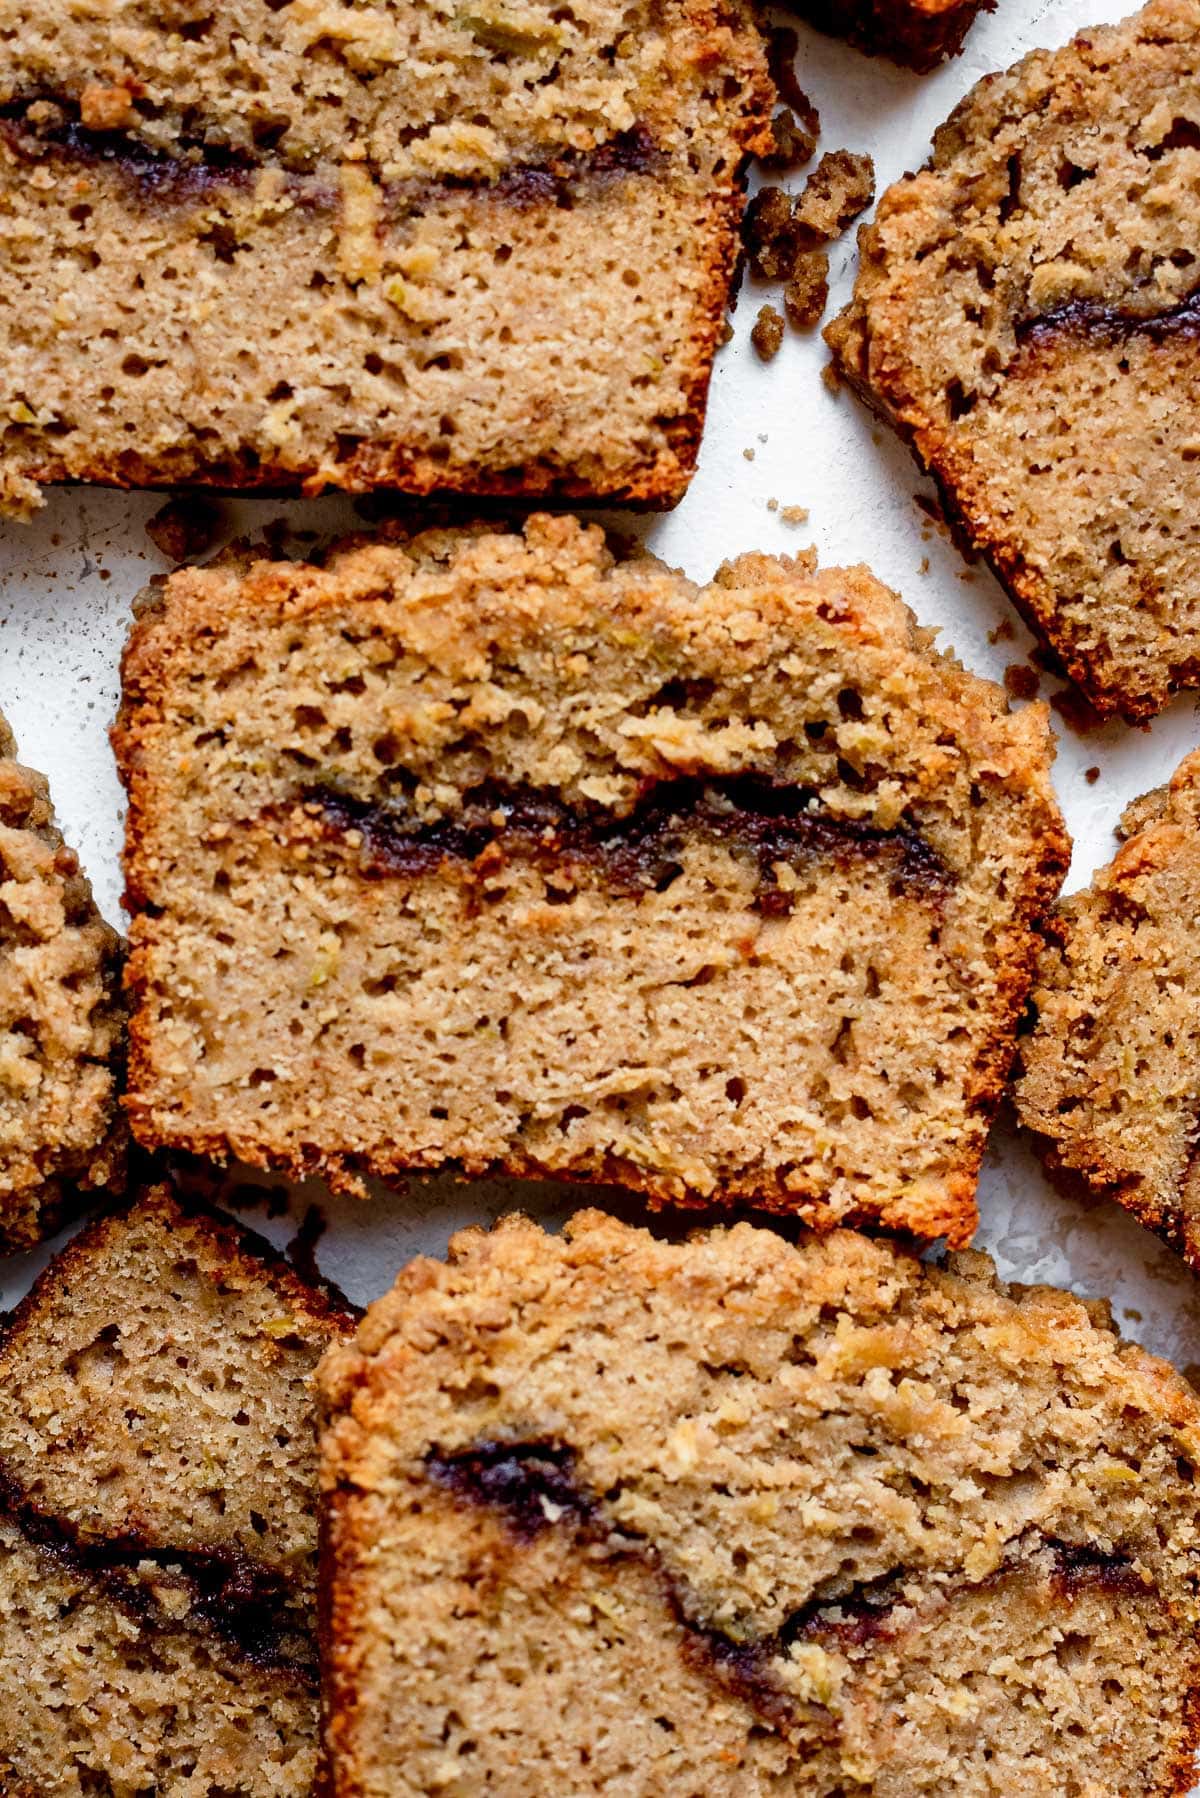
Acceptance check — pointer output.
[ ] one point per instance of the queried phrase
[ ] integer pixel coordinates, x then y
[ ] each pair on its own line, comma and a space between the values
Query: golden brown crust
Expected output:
247, 1255
157, 1510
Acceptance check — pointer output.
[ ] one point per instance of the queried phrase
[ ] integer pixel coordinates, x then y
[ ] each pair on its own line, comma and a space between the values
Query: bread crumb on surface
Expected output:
1076, 711
783, 46
768, 234
794, 138
807, 290
767, 333
840, 187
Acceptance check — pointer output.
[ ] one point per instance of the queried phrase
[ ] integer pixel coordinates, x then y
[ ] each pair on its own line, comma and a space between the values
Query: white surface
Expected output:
67, 580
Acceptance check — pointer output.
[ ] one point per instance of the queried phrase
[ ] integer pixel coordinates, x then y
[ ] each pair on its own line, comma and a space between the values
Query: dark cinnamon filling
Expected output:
40, 126
639, 852
235, 1597
533, 1485
1114, 324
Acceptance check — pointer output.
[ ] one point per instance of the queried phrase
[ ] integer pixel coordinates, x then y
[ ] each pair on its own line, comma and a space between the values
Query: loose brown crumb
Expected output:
768, 232
184, 528
1003, 633
749, 454
807, 290
1091, 775
793, 140
726, 335
1021, 681
840, 187
794, 515
767, 332
923, 565
831, 378
772, 505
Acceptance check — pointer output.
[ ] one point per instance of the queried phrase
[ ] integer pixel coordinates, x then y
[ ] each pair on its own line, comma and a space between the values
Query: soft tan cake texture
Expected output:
918, 33
61, 1019
1108, 1076
158, 1537
732, 1517
493, 851
1025, 315
308, 243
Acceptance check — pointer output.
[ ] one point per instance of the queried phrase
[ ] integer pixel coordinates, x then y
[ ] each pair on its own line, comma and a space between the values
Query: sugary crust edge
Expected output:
164, 631
1146, 848
46, 1207
726, 30
259, 1262
355, 1377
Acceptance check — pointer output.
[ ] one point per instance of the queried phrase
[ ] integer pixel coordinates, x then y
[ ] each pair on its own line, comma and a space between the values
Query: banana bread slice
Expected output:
158, 1539
611, 1514
483, 249
490, 850
1026, 316
61, 1019
917, 33
155, 1399
1107, 1078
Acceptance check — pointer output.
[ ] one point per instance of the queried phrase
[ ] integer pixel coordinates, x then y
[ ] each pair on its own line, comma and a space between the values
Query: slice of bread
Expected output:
483, 249
609, 1514
158, 1487
62, 1024
491, 850
917, 33
1025, 315
1107, 1078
